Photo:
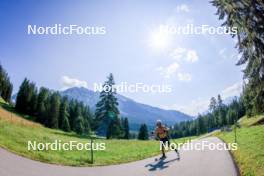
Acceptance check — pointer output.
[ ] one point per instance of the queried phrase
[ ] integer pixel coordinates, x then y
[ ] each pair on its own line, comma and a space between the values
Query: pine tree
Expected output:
114, 129
248, 17
33, 99
23, 98
64, 115
201, 126
72, 113
126, 128
87, 126
78, 125
107, 113
221, 111
213, 104
143, 132
41, 105
6, 86
26, 101
53, 110
65, 125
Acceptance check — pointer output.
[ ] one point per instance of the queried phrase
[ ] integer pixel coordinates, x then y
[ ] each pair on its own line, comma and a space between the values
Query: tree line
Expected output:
219, 115
53, 110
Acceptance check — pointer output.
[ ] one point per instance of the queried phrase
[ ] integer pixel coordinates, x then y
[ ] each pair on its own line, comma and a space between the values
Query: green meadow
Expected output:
16, 131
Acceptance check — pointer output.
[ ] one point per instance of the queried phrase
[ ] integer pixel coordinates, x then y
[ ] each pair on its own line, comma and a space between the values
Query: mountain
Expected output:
137, 113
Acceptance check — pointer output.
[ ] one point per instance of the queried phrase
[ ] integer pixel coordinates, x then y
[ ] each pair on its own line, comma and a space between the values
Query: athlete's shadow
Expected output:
161, 164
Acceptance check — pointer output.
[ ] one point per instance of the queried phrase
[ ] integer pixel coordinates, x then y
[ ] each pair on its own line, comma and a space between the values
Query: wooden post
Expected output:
235, 133
92, 159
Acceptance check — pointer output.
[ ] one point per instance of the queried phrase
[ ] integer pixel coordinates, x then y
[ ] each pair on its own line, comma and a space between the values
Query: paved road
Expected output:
191, 162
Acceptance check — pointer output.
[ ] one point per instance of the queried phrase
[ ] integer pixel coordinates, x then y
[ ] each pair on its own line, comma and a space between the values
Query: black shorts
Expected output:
164, 140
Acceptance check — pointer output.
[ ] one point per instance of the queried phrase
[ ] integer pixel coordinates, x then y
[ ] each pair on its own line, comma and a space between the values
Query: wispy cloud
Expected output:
68, 82
193, 108
170, 70
200, 105
185, 54
184, 77
223, 53
232, 90
179, 55
182, 8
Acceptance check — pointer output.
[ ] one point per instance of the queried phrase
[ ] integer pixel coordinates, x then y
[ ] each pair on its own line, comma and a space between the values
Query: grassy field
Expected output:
250, 154
16, 131
248, 122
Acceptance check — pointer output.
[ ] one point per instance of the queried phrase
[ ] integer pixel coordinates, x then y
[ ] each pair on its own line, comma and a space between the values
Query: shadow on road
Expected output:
161, 164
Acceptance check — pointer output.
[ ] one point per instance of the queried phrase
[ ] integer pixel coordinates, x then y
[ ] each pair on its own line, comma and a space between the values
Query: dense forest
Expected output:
53, 110
219, 115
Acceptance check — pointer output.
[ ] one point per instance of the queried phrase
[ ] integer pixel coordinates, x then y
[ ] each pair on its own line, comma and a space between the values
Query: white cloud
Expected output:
182, 8
191, 56
222, 53
233, 90
169, 70
193, 108
179, 54
201, 105
184, 77
68, 82
188, 55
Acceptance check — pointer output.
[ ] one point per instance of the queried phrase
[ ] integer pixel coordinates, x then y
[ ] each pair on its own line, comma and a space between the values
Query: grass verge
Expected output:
15, 132
250, 154
247, 122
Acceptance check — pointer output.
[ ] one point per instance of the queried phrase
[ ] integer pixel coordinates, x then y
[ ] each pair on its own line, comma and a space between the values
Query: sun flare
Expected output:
159, 40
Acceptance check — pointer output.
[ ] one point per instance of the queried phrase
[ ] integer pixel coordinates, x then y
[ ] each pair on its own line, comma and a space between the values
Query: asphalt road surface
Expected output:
192, 162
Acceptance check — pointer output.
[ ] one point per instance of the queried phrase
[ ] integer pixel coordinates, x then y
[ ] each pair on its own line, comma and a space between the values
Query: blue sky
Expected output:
196, 66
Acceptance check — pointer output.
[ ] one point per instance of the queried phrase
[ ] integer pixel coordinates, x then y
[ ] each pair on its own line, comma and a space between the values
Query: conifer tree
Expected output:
53, 110
64, 115
41, 105
78, 125
107, 113
126, 128
33, 99
143, 132
248, 17
23, 98
65, 125
6, 87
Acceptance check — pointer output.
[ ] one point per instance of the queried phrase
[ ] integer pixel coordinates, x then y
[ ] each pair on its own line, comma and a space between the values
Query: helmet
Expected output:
158, 122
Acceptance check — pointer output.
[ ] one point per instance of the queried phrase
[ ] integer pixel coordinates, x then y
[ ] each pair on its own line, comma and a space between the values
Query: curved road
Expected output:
192, 162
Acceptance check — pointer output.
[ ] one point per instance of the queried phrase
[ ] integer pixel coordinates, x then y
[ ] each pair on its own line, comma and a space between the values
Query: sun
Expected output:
159, 40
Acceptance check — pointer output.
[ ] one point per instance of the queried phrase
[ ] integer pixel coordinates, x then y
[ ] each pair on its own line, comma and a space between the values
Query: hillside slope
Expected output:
16, 131
250, 153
